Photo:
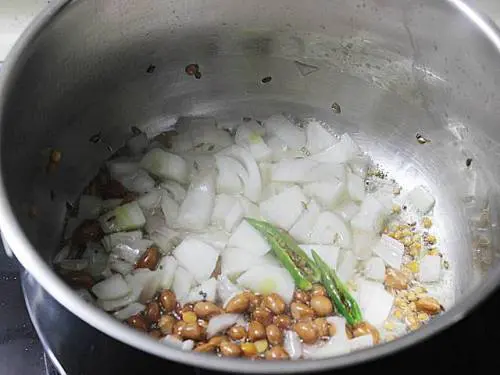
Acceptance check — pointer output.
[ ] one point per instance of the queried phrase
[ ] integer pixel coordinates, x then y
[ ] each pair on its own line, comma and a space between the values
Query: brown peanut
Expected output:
207, 309
191, 331
321, 305
166, 324
256, 331
152, 312
318, 290
249, 349
321, 326
263, 315
366, 328
137, 322
149, 259
205, 347
282, 321
274, 335
230, 349
155, 333
168, 300
306, 331
300, 310
255, 300
428, 305
237, 333
275, 303
276, 353
238, 304
395, 279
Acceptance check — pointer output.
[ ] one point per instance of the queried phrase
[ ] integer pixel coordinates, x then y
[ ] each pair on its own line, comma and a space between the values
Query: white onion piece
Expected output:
123, 218
150, 200
318, 137
347, 266
207, 137
390, 250
279, 148
61, 255
166, 239
331, 229
120, 168
151, 286
285, 208
130, 310
97, 259
421, 199
170, 209
235, 261
120, 266
293, 170
183, 281
173, 341
197, 257
251, 209
292, 345
355, 187
138, 144
89, 207
249, 239
166, 271
196, 210
228, 212
182, 142
302, 229
274, 188
375, 302
252, 140
347, 210
253, 184
220, 323
86, 296
133, 250
339, 323
114, 239
175, 190
187, 345
333, 347
199, 164
375, 269
218, 239
155, 221
328, 253
360, 165
226, 289
340, 152
231, 175
112, 288
361, 342
138, 182
165, 165
74, 264
268, 279
284, 129
371, 216
115, 304
328, 193
206, 291
363, 242
430, 269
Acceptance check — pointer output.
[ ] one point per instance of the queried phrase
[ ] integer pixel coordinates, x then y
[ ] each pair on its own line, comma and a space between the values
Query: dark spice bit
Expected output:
193, 70
336, 107
151, 68
266, 79
421, 139
96, 138
52, 195
468, 162
136, 130
197, 75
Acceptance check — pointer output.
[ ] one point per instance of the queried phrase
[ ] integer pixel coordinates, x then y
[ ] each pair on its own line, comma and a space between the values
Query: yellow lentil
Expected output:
261, 346
189, 317
427, 222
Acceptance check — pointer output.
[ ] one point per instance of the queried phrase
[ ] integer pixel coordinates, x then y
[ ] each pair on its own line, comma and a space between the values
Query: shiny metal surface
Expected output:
82, 69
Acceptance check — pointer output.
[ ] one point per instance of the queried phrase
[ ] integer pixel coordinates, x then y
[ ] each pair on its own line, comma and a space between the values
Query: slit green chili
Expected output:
302, 269
344, 303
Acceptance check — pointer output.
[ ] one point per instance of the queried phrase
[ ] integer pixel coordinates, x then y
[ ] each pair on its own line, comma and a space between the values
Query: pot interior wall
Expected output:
104, 66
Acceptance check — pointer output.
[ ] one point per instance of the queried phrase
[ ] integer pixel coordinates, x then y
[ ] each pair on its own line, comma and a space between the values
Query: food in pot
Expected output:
270, 240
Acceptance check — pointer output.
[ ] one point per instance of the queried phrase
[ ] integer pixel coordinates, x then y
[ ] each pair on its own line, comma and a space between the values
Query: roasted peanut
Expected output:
152, 312
230, 349
275, 303
205, 347
166, 324
191, 331
366, 328
255, 300
238, 304
321, 326
249, 349
263, 315
149, 259
207, 309
155, 333
168, 300
318, 290
237, 333
137, 322
217, 340
189, 317
282, 321
395, 279
256, 331
301, 296
428, 305
178, 327
321, 305
274, 335
276, 353
300, 310
306, 331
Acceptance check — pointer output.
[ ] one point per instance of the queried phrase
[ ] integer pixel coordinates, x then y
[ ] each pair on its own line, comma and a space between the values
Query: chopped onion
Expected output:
360, 165
170, 209
268, 279
328, 193
285, 208
363, 242
97, 259
339, 323
165, 165
217, 239
166, 239
328, 253
182, 142
279, 148
318, 137
155, 221
173, 341
120, 168
331, 229
430, 269
355, 187
347, 210
175, 190
421, 199
123, 218
247, 238
207, 291
292, 345
199, 164
375, 302
74, 264
340, 152
302, 229
293, 170
361, 342
183, 281
89, 207
248, 138
226, 289
220, 323
120, 266
196, 210
253, 184
347, 266
131, 251
235, 261
151, 200
86, 296
166, 271
390, 250
228, 212
284, 129
151, 286
139, 182
375, 269
115, 239
132, 309
251, 209
274, 188
333, 347
62, 255
230, 176
371, 216
187, 345
112, 288
197, 257
207, 137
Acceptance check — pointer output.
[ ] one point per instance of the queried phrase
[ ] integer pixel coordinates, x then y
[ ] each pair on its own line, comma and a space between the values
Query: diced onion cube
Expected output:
375, 269
328, 253
421, 199
196, 257
390, 250
165, 165
228, 212
430, 269
183, 281
123, 218
375, 302
331, 229
249, 239
302, 229
285, 208
111, 288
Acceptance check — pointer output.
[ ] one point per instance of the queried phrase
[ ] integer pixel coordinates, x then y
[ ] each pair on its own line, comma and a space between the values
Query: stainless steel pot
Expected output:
396, 68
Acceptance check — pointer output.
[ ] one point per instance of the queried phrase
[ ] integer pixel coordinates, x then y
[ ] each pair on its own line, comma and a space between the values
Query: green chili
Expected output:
344, 303
302, 269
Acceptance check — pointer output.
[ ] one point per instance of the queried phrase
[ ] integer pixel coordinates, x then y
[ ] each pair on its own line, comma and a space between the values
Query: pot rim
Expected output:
24, 251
